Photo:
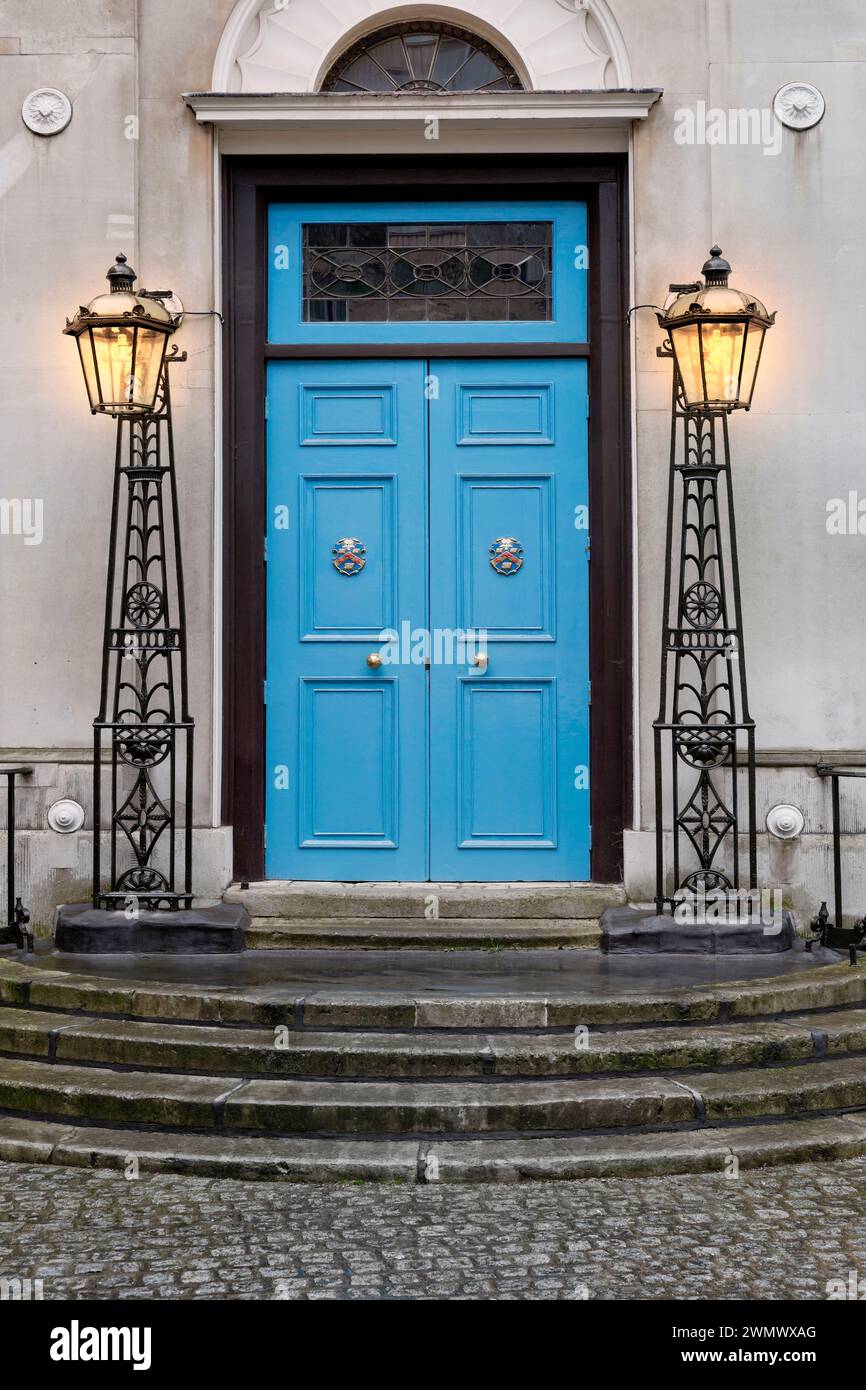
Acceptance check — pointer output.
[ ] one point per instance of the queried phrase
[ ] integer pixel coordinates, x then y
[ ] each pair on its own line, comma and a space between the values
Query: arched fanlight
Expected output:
122, 337
421, 56
717, 334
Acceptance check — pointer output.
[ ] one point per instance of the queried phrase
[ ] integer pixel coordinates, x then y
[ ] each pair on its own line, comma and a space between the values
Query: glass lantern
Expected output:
717, 334
122, 338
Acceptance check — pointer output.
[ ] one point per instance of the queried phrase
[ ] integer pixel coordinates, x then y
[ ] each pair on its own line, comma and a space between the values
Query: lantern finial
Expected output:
716, 270
121, 276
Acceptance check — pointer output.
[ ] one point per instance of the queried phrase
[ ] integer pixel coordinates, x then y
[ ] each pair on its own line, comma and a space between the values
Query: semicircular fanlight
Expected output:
422, 56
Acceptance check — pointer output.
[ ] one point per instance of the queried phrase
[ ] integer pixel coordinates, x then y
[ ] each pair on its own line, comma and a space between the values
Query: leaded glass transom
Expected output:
422, 56
459, 272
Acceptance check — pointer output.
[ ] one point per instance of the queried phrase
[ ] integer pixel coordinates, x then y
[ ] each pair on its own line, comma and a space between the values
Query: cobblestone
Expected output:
769, 1234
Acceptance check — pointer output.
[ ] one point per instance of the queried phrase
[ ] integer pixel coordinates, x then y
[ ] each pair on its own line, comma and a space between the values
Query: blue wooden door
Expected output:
443, 504
346, 794
444, 501
509, 723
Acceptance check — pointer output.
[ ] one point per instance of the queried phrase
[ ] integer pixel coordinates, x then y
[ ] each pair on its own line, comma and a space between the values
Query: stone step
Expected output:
430, 1161
34, 983
305, 900
416, 934
318, 1106
426, 1080
243, 1052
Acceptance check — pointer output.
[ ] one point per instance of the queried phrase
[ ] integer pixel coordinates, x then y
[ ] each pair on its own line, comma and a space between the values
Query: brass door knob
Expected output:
374, 660
481, 660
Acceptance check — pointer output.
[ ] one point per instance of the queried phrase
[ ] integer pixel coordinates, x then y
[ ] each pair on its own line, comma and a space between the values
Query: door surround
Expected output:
249, 185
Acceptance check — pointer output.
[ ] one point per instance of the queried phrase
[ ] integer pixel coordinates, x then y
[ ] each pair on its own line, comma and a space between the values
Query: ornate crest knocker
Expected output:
349, 555
506, 555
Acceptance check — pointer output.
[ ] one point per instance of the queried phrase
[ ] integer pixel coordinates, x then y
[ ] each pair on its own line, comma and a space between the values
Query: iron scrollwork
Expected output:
431, 271
704, 735
144, 724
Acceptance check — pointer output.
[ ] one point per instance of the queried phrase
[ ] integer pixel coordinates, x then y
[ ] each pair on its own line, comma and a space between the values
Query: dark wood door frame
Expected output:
249, 185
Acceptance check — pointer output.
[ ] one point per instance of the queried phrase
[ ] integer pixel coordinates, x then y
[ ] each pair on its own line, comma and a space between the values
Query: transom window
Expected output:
462, 271
457, 272
423, 56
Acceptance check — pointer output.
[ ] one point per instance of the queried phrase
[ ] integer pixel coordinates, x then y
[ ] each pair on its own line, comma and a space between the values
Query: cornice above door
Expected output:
511, 122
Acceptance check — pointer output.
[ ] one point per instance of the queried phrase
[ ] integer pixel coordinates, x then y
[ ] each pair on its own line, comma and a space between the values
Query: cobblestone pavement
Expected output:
777, 1233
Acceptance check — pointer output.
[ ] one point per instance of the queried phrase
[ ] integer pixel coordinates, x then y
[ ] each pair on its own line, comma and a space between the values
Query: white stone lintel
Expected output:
303, 113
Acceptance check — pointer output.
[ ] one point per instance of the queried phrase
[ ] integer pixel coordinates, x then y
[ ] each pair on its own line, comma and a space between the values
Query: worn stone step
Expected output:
314, 1105
328, 901
430, 1161
544, 1104
504, 1005
240, 1052
134, 1097
337, 1107
644, 1155
416, 934
737, 1095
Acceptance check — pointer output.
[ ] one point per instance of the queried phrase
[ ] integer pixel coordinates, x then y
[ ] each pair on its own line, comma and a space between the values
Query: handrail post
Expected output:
10, 850
837, 854
824, 931
17, 915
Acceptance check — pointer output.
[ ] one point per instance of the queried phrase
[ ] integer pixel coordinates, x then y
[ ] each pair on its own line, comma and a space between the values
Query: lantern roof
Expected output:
121, 305
715, 298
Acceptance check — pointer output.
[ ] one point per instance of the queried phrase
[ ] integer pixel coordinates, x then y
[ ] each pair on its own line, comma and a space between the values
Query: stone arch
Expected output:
287, 45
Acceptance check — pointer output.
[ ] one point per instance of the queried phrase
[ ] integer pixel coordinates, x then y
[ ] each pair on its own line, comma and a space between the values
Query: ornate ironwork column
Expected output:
144, 720
143, 735
704, 736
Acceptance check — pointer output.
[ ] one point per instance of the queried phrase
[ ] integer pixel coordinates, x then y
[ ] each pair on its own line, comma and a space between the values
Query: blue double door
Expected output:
427, 624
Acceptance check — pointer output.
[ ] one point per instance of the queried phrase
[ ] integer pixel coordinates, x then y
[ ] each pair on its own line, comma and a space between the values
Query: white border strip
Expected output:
217, 578
635, 497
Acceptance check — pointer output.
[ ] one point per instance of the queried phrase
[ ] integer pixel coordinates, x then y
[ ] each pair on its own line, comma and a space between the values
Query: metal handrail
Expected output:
827, 932
17, 915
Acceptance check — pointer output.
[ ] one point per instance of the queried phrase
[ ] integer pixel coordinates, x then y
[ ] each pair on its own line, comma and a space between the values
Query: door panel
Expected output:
346, 793
348, 758
519, 507
493, 814
331, 608
508, 553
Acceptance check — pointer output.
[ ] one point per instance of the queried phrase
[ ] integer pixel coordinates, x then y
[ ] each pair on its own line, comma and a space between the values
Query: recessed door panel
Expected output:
506, 533
506, 414
349, 782
493, 813
334, 513
341, 416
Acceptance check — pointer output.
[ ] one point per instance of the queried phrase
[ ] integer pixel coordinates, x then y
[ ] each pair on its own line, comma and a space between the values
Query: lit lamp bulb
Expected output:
722, 351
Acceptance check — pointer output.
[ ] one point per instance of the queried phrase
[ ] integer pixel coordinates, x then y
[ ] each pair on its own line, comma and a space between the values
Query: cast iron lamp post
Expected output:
704, 736
144, 717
